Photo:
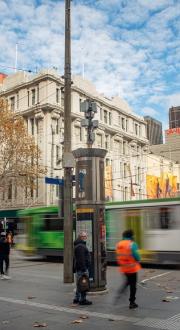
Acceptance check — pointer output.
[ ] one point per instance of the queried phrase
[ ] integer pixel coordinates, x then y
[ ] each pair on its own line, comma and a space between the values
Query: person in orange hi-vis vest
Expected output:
128, 259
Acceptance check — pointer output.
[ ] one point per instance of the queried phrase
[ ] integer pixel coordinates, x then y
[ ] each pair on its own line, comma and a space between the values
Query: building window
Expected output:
15, 191
12, 103
62, 97
105, 116
32, 188
33, 91
101, 114
117, 146
10, 191
106, 141
57, 154
57, 95
124, 147
138, 174
37, 188
110, 118
125, 171
107, 161
26, 192
57, 126
37, 127
80, 134
17, 100
127, 125
99, 140
80, 101
125, 193
38, 94
32, 125
136, 129
119, 120
28, 98
123, 123
121, 170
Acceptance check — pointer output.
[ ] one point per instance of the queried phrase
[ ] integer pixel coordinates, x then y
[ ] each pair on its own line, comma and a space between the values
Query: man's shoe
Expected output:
75, 301
133, 305
85, 302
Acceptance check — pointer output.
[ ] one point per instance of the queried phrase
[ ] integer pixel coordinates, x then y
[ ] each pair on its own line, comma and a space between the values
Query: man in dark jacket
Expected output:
4, 256
81, 265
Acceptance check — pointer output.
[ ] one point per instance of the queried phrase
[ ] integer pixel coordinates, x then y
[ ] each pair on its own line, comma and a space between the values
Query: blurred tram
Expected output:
156, 224
41, 231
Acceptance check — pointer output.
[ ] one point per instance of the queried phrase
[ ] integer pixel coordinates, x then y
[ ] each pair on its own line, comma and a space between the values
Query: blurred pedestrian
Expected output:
81, 266
4, 256
10, 238
128, 259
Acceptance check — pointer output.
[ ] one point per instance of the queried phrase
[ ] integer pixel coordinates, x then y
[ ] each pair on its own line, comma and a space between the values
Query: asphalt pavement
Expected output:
36, 296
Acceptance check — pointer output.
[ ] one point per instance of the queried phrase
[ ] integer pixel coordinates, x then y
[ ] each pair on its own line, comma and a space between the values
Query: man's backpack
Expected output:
83, 284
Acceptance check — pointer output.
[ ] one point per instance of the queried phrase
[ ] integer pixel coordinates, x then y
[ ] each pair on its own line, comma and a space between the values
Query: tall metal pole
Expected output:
67, 158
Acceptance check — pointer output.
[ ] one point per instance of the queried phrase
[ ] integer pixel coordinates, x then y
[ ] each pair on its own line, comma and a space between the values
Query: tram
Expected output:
156, 224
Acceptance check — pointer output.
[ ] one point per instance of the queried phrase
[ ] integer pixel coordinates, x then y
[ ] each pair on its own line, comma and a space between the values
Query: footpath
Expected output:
37, 297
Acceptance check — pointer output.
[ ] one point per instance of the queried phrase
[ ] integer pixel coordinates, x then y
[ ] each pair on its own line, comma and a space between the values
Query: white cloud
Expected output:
173, 100
154, 4
149, 112
126, 47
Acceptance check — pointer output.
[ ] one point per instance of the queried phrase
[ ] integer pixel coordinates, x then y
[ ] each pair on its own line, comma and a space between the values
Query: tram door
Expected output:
133, 220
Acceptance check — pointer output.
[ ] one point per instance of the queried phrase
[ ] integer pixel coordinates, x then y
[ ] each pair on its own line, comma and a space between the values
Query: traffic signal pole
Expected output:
68, 160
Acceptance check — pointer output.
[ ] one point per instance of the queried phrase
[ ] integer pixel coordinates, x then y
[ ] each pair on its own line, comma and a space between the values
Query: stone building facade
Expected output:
39, 98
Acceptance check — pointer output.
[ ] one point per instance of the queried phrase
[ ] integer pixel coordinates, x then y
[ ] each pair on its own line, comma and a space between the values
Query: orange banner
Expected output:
160, 187
108, 182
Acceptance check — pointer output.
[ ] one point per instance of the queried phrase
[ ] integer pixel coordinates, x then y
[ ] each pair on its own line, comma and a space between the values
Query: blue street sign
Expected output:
54, 181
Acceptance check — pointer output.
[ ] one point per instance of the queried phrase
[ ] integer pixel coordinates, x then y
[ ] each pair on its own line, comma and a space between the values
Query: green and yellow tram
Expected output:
156, 224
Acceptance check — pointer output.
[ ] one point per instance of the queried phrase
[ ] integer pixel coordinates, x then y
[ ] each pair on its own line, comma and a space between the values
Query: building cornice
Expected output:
37, 79
28, 84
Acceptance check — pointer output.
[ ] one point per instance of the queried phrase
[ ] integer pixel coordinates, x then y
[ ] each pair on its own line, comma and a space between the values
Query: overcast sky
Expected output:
129, 48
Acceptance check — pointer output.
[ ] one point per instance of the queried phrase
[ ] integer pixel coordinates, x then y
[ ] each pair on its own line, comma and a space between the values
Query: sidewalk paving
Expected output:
36, 293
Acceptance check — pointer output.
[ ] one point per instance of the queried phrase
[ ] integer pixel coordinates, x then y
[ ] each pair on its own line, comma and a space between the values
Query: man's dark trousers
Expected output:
4, 258
130, 280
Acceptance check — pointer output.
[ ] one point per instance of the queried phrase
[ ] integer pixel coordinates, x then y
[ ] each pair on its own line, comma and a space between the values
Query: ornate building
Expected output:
39, 99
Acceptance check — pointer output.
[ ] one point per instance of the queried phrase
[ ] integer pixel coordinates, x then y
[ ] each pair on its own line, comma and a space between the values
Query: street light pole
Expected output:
68, 163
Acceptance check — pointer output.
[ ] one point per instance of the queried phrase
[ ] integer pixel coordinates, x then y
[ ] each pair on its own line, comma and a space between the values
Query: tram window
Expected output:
160, 218
151, 217
52, 223
166, 218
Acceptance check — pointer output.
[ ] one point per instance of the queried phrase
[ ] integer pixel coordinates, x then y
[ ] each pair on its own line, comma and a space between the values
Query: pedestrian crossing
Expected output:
166, 324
